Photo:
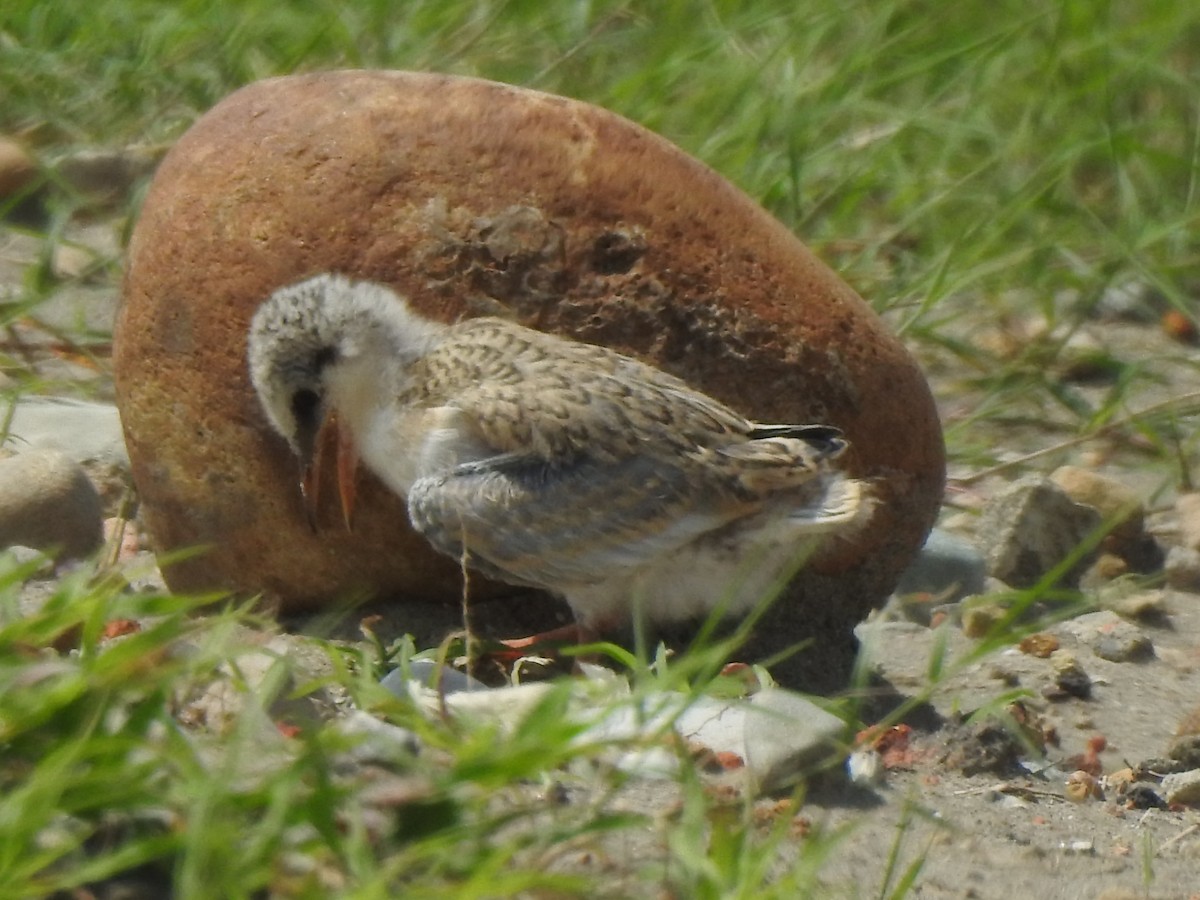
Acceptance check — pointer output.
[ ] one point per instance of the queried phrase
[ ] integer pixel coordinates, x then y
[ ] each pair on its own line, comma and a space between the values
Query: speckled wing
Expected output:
536, 393
583, 463
526, 521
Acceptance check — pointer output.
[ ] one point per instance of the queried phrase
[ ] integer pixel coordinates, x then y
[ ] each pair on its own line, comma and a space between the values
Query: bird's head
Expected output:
302, 341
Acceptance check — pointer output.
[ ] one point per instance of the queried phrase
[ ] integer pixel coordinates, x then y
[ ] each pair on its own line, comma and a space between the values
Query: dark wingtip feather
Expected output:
824, 438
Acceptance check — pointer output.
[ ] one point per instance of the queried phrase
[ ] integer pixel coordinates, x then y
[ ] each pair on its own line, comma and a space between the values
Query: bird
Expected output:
546, 462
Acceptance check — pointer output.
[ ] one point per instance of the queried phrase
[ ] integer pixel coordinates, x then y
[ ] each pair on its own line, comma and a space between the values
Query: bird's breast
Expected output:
403, 444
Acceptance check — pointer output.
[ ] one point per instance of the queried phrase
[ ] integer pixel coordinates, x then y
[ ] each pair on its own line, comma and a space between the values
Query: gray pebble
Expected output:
47, 502
1135, 647
427, 673
1110, 636
1030, 527
88, 433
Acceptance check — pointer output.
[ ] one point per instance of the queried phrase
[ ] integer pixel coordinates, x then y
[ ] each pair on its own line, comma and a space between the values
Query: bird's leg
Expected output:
566, 634
546, 642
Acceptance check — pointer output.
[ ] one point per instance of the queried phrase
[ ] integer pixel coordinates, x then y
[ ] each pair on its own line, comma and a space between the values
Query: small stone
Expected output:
1069, 675
947, 567
1040, 645
29, 556
1187, 509
1110, 636
1031, 527
865, 767
1082, 786
1144, 605
986, 746
428, 674
1182, 569
1119, 506
1155, 768
123, 533
1182, 787
1179, 326
1124, 647
787, 736
1143, 796
1085, 359
71, 262
48, 503
264, 672
776, 736
1078, 847
89, 433
1005, 676
1119, 782
979, 619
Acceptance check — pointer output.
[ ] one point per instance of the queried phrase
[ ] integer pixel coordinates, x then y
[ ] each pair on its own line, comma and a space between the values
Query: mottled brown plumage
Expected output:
551, 463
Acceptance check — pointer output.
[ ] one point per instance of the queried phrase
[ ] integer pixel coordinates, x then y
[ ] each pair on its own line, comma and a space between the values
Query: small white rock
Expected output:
787, 735
865, 767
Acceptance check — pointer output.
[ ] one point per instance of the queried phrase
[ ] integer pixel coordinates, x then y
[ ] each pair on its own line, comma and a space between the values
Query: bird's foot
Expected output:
545, 642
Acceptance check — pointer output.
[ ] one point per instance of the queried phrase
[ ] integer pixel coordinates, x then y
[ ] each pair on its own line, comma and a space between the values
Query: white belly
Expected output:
732, 572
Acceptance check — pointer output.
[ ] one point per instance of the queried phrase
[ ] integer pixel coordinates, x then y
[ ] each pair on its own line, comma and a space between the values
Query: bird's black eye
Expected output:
304, 405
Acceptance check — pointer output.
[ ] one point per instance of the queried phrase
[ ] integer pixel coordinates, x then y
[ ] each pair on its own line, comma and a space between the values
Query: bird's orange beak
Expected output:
346, 469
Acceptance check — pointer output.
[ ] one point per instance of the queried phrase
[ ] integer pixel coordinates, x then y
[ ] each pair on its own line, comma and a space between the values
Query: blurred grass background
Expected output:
927, 150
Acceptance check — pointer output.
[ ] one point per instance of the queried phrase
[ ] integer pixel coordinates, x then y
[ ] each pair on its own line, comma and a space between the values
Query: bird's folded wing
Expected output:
527, 522
564, 413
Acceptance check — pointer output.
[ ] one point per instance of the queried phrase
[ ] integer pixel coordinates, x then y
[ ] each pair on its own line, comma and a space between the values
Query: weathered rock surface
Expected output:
471, 197
1033, 526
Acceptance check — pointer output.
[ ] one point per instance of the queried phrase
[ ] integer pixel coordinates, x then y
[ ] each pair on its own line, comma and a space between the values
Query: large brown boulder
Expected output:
472, 197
